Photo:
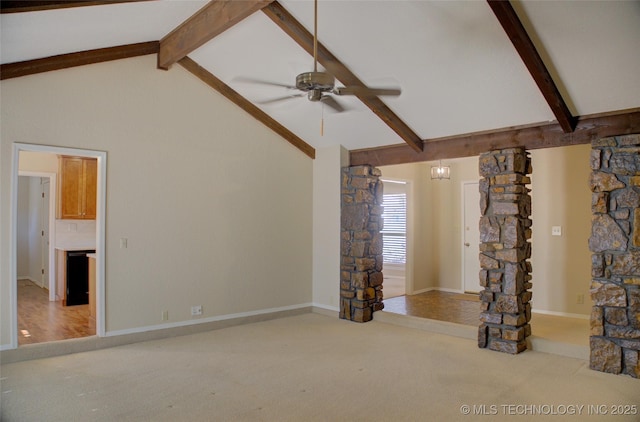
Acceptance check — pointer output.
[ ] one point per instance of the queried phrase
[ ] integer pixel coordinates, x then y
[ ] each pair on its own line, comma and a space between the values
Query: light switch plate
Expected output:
556, 231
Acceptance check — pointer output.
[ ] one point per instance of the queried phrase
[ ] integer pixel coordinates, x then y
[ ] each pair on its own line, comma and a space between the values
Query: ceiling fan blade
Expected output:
279, 99
331, 102
261, 82
366, 92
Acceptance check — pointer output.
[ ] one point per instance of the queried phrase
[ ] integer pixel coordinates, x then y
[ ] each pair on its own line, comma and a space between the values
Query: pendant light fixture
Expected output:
440, 172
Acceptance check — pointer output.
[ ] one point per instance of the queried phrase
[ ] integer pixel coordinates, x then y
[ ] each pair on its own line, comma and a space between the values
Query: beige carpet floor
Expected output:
310, 367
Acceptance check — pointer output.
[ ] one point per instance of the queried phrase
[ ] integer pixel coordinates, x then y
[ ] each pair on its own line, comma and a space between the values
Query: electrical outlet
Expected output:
196, 310
165, 315
556, 231
580, 300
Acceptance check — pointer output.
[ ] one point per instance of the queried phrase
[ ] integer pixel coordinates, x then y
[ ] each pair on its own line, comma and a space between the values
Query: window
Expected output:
394, 232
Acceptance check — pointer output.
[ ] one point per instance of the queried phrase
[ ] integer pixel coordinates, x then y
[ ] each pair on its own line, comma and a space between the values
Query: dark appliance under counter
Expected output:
77, 280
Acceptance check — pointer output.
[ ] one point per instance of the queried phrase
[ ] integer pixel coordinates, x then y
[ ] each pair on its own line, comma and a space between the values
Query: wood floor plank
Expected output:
40, 320
442, 306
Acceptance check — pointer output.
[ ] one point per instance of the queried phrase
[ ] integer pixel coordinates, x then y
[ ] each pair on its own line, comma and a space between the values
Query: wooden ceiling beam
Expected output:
21, 6
213, 19
64, 61
304, 38
527, 50
215, 83
588, 128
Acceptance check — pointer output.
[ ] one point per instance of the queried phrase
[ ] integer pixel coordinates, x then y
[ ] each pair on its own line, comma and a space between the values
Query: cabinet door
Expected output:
71, 180
90, 181
78, 187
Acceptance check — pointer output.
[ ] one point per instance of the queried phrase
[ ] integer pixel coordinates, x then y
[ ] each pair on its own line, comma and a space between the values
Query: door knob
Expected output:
467, 244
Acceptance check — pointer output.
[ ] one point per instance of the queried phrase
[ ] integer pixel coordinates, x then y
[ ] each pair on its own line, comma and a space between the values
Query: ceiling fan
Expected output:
320, 85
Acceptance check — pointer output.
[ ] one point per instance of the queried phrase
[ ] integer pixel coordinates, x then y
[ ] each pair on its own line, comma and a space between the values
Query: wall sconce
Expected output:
440, 172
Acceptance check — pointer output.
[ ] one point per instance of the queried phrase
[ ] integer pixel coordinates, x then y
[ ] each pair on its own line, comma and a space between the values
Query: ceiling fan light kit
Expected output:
315, 81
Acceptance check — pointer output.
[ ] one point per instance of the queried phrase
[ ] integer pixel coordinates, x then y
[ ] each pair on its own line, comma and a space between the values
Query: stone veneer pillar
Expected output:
505, 230
615, 259
361, 243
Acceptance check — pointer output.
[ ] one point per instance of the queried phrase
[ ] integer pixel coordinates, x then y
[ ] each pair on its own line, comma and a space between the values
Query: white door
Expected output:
470, 236
45, 230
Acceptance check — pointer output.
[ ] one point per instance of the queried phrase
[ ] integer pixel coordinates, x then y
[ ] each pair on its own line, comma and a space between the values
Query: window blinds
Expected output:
394, 233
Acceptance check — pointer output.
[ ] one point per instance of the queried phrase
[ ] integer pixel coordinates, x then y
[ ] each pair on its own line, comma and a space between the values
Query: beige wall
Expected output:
560, 197
327, 179
38, 161
216, 207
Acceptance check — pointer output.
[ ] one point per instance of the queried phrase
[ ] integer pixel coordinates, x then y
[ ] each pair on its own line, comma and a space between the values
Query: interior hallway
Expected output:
40, 320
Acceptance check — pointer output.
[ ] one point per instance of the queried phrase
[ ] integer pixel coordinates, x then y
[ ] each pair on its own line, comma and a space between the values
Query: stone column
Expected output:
361, 243
505, 230
615, 259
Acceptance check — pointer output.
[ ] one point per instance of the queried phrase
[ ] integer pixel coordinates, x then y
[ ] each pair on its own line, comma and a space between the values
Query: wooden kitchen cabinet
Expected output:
78, 187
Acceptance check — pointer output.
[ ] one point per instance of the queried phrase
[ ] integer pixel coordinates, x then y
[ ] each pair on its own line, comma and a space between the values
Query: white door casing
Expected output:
101, 156
470, 236
44, 224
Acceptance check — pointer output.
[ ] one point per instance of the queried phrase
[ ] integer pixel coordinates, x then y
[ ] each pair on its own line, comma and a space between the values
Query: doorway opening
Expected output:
38, 313
458, 306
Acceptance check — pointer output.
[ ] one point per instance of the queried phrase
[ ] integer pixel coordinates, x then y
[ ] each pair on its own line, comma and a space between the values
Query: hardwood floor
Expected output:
443, 306
465, 309
40, 320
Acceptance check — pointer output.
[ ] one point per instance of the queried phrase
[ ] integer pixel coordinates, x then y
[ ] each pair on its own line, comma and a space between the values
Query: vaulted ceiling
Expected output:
474, 74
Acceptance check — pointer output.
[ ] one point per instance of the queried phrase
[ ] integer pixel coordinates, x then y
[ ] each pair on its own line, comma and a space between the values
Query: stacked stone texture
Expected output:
505, 230
615, 259
361, 243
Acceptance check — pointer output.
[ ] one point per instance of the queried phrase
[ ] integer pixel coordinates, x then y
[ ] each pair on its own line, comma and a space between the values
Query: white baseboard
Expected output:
198, 321
156, 332
417, 292
440, 289
31, 279
444, 289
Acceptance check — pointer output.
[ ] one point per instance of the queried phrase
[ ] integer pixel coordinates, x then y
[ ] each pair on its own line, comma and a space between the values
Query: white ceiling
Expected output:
458, 71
